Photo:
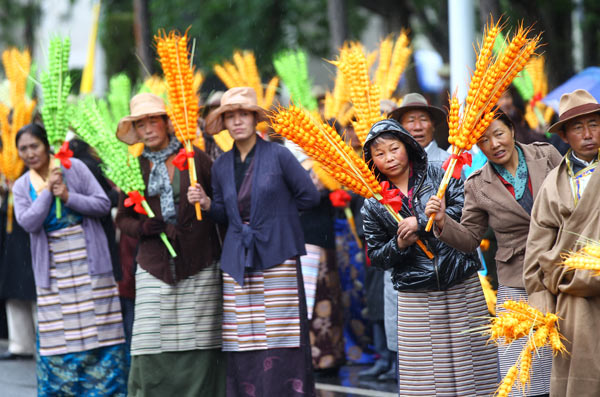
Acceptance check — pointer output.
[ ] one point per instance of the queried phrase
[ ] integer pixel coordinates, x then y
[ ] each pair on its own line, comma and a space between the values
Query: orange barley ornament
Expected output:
177, 67
523, 321
323, 144
16, 67
492, 76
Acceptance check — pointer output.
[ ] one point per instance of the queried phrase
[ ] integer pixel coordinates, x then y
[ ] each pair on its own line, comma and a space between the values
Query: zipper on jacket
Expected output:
437, 274
435, 257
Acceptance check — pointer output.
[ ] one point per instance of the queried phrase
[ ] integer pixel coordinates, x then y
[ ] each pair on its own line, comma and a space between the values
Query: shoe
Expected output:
390, 375
377, 369
12, 356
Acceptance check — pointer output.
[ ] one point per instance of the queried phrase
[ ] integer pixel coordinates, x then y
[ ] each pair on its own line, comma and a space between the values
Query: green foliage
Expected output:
56, 84
263, 26
117, 39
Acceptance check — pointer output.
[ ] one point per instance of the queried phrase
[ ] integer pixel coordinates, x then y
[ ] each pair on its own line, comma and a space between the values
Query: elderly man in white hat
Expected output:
566, 214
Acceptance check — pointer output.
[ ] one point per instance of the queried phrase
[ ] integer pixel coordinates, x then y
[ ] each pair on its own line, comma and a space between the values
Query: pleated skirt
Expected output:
265, 332
79, 311
438, 352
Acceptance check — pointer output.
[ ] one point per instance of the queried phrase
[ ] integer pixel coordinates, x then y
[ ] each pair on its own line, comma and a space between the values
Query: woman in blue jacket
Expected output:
258, 188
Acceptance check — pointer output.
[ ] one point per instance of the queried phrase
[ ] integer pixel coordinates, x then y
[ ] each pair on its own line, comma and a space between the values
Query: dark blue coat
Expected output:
280, 187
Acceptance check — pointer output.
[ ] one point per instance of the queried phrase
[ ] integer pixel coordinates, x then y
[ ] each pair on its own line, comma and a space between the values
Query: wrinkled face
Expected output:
497, 142
33, 152
583, 135
390, 157
419, 124
240, 123
153, 132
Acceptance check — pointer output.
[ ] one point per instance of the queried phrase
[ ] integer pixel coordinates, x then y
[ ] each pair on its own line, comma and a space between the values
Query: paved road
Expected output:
17, 378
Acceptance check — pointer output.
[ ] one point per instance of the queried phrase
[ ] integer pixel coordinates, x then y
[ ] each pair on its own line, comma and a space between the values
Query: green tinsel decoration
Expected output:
522, 81
56, 85
292, 67
117, 163
118, 97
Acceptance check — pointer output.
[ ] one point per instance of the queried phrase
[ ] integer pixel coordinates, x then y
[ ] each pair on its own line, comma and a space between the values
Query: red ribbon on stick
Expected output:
64, 155
390, 196
135, 199
339, 198
180, 161
462, 160
536, 98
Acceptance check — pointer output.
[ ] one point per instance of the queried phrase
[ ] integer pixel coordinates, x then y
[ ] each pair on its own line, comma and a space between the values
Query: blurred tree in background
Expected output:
319, 26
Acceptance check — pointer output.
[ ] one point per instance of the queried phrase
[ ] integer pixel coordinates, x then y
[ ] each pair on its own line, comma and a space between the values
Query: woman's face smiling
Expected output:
390, 157
33, 152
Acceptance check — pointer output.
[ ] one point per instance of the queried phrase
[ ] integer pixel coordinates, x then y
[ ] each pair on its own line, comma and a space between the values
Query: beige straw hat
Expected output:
141, 105
572, 105
233, 99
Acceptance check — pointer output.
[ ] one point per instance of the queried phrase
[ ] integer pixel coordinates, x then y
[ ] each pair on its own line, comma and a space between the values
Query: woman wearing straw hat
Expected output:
176, 341
81, 345
500, 195
258, 188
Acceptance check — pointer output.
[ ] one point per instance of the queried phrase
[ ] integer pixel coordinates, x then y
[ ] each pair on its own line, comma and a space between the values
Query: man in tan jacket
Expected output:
566, 211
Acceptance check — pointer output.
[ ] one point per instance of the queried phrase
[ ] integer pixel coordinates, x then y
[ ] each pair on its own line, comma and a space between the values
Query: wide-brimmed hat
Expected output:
415, 101
142, 105
233, 99
572, 105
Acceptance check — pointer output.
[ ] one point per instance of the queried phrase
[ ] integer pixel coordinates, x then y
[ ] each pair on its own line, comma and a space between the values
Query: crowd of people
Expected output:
261, 296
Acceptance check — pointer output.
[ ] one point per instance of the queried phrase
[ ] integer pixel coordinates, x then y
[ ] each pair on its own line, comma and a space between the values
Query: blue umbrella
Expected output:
588, 79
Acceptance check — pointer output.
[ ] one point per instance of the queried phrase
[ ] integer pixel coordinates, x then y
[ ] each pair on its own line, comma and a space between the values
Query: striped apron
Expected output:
79, 311
181, 317
264, 313
310, 271
439, 353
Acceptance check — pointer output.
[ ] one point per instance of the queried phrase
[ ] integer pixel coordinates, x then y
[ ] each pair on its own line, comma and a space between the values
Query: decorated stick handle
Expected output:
420, 243
442, 191
57, 199
352, 225
9, 213
193, 178
163, 236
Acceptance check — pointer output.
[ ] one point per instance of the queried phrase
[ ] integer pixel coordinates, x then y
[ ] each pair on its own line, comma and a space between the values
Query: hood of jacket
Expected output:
416, 153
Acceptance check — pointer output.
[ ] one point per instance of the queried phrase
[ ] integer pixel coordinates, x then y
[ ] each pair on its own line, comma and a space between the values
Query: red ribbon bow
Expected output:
391, 196
536, 98
64, 155
462, 160
180, 161
135, 199
339, 198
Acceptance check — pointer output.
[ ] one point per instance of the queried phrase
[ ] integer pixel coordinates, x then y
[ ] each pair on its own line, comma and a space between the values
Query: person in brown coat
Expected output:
176, 341
501, 195
566, 211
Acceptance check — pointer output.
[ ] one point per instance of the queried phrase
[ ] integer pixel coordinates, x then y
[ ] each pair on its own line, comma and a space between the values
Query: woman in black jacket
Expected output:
440, 301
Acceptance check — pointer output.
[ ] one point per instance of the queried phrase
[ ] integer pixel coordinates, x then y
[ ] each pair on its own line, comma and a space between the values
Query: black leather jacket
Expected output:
412, 269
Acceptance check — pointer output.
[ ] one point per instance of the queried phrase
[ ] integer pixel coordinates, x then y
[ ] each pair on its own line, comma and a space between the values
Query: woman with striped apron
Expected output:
81, 347
440, 300
258, 188
500, 195
176, 339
